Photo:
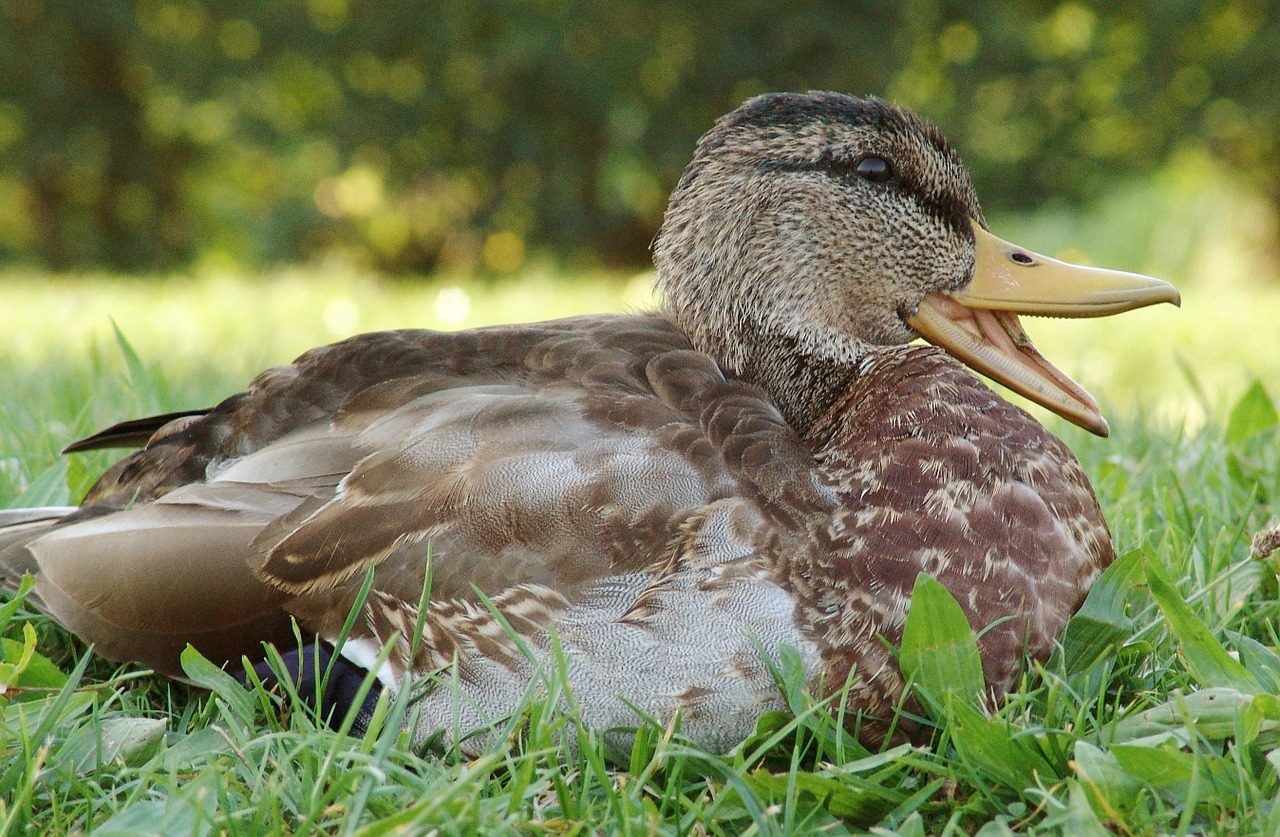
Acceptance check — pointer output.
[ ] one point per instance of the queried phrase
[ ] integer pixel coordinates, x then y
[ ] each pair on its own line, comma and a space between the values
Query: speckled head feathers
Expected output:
773, 232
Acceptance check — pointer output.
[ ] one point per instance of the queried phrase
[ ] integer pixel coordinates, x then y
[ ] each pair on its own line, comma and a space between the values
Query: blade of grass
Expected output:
1208, 661
939, 650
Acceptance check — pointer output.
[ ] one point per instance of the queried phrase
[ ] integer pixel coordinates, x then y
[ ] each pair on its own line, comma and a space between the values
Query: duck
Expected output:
661, 504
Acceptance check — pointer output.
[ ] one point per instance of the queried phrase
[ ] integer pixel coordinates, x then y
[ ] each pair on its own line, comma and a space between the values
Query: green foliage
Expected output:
47, 489
1102, 626
1253, 413
1204, 656
162, 132
939, 651
24, 672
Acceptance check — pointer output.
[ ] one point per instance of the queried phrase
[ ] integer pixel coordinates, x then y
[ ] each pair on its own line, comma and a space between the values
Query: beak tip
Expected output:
1094, 423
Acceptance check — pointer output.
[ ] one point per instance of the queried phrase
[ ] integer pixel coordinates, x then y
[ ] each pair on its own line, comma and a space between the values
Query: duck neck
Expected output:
802, 382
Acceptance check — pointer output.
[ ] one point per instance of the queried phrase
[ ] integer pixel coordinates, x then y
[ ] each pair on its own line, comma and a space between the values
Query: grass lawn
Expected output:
1159, 714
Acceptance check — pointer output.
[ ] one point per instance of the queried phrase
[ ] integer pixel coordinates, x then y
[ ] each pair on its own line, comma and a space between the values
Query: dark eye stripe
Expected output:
950, 209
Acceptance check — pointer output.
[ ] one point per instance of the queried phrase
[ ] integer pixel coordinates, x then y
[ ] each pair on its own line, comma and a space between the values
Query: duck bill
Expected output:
978, 323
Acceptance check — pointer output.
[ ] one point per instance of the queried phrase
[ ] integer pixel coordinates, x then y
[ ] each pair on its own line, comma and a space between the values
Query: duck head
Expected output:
810, 228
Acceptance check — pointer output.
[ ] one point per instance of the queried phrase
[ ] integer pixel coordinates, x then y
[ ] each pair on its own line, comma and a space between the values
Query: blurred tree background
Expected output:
476, 134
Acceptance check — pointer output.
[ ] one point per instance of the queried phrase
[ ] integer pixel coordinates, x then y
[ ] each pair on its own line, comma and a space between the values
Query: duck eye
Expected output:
875, 169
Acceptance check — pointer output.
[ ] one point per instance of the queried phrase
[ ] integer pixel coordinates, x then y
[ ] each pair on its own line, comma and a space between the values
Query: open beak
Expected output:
978, 324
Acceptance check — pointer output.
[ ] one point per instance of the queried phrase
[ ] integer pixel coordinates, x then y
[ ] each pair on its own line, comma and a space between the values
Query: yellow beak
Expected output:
978, 324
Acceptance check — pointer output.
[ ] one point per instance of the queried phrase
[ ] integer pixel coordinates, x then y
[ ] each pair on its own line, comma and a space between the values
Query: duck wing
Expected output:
543, 457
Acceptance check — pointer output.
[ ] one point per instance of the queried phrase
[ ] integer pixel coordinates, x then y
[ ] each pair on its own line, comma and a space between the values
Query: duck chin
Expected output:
829, 345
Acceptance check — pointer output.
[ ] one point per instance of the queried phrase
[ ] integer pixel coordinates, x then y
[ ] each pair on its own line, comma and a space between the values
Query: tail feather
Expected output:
15, 518
18, 527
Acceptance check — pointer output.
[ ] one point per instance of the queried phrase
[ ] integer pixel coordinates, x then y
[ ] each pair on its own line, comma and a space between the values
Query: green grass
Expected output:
1159, 714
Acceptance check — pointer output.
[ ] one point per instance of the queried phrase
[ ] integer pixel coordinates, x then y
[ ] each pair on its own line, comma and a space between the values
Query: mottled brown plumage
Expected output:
668, 495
